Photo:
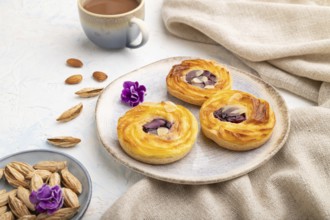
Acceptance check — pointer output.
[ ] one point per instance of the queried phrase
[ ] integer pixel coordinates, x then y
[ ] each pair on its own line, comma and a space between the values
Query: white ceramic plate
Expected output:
75, 167
207, 162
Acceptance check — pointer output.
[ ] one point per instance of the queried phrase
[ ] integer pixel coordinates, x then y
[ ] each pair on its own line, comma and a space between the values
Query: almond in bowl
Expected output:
24, 184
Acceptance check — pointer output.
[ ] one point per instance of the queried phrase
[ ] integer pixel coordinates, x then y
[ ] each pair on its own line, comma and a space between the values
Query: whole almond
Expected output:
23, 194
52, 166
70, 181
7, 216
100, 76
71, 113
17, 175
22, 167
28, 217
1, 173
45, 174
54, 179
36, 182
73, 62
13, 181
64, 141
17, 207
89, 92
3, 209
5, 196
62, 214
70, 198
74, 79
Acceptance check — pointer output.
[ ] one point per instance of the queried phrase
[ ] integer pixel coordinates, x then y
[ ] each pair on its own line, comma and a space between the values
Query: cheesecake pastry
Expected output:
194, 81
157, 133
237, 120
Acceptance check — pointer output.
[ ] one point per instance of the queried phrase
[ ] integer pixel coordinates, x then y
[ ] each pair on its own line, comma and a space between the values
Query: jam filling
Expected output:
154, 125
201, 78
231, 114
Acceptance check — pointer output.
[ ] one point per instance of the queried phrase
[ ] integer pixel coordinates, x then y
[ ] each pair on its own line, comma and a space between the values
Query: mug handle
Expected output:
144, 31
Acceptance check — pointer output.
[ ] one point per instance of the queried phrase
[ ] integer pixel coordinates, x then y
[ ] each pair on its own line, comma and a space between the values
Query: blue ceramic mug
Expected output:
114, 31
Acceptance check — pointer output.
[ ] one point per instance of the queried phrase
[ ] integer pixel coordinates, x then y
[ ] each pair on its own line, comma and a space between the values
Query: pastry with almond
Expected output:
157, 133
194, 81
237, 120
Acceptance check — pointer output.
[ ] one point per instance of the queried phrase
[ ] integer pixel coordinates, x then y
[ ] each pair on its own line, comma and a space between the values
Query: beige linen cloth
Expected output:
288, 45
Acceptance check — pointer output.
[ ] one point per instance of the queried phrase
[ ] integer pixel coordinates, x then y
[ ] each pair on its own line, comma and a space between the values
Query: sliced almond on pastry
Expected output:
204, 79
209, 87
169, 106
199, 72
196, 80
161, 131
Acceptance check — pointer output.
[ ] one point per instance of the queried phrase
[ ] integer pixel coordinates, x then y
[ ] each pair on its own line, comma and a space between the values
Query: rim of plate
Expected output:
214, 179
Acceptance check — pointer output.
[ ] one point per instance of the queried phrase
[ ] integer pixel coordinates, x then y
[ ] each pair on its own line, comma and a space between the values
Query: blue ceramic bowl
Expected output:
75, 167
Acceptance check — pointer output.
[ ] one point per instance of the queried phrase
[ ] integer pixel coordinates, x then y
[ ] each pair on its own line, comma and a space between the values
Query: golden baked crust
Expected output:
178, 86
152, 148
248, 134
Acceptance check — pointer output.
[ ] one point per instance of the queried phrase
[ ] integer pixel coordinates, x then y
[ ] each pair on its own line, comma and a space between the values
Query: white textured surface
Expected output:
35, 40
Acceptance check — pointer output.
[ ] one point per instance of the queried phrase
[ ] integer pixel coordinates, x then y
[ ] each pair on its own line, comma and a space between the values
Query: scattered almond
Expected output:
100, 76
64, 141
73, 62
74, 79
71, 113
89, 92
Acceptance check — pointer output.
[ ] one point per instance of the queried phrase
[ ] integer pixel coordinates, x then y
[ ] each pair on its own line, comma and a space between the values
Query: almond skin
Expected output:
64, 141
100, 76
71, 113
73, 62
89, 92
74, 79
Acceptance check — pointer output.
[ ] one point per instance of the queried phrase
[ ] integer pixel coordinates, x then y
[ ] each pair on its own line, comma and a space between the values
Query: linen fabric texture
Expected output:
286, 43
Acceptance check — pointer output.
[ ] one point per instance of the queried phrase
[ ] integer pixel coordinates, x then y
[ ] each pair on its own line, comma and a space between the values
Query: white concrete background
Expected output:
36, 38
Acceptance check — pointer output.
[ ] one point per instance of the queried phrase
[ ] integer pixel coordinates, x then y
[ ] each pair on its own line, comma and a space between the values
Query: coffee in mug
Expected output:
113, 24
110, 7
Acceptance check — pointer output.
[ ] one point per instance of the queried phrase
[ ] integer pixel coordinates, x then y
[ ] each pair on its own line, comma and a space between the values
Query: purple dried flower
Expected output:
47, 199
133, 93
